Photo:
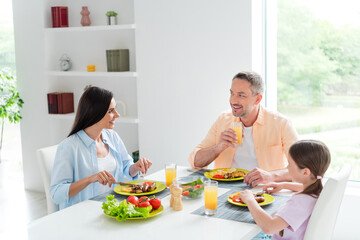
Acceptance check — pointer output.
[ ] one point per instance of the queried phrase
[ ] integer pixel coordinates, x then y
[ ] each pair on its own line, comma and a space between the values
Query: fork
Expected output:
263, 191
260, 193
141, 177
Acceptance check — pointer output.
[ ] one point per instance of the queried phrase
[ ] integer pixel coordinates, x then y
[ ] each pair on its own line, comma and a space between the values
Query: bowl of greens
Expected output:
192, 186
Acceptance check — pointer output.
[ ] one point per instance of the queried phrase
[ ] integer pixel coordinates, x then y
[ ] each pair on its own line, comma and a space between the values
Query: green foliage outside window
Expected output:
10, 101
319, 80
7, 51
315, 59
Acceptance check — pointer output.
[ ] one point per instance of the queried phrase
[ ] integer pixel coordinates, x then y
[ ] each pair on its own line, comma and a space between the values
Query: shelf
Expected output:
91, 74
71, 116
92, 28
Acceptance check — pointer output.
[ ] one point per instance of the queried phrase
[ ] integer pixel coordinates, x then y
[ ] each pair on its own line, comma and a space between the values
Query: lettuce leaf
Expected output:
123, 210
110, 206
197, 182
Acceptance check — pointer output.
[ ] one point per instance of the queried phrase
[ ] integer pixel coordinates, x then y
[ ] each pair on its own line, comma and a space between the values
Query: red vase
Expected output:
85, 19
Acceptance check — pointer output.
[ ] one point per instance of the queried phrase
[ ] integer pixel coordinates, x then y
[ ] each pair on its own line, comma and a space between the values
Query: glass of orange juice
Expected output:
237, 127
211, 190
170, 173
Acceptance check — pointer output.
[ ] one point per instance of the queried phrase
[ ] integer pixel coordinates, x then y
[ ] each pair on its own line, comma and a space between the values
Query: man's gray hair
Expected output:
255, 80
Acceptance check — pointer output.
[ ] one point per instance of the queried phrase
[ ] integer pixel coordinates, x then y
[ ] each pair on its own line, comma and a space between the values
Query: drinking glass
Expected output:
170, 173
237, 127
211, 190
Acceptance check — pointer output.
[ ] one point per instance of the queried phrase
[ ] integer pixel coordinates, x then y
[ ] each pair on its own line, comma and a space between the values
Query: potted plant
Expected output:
112, 20
10, 101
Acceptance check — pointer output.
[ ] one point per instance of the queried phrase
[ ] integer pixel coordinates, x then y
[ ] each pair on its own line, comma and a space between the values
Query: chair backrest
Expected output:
45, 158
323, 218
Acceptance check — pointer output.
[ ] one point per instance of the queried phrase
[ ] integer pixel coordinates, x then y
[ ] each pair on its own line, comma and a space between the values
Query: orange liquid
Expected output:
211, 198
238, 131
170, 174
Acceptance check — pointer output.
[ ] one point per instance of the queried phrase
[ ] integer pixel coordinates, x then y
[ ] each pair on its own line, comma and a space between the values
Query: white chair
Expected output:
323, 218
46, 157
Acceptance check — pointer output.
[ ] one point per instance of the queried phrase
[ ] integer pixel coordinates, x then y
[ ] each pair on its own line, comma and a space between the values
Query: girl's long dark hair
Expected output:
93, 105
315, 156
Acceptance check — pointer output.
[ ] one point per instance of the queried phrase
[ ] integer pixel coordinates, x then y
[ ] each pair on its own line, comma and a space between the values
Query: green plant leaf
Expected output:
10, 101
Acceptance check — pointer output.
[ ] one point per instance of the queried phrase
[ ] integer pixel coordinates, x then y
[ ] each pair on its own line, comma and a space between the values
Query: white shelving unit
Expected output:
91, 74
91, 28
87, 45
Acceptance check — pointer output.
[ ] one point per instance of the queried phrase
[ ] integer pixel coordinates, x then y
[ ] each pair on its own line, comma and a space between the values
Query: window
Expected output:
11, 143
7, 47
318, 74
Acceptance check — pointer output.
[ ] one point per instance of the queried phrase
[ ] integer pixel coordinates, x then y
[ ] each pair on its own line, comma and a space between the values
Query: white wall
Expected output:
38, 51
187, 53
29, 42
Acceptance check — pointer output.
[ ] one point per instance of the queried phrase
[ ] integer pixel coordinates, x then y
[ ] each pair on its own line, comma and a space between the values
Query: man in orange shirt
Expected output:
267, 136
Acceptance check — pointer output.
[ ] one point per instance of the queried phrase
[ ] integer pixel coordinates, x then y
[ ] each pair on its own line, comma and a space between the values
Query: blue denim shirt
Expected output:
76, 158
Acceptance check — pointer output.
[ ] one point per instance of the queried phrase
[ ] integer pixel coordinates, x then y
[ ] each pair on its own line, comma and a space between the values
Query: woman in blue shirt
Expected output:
93, 156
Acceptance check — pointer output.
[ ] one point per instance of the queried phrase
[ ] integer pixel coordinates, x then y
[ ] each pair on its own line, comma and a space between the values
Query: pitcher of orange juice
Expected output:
237, 127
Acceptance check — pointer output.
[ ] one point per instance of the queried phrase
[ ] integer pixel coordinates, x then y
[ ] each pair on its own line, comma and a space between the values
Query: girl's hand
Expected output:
103, 177
273, 187
143, 164
247, 196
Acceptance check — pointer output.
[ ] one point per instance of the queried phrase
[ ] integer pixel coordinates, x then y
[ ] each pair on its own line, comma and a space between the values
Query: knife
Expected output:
127, 184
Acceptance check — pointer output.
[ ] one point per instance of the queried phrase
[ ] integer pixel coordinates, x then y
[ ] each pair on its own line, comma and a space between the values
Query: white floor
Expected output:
17, 206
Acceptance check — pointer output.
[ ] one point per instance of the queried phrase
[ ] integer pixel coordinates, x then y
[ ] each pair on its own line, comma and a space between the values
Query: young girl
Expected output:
308, 162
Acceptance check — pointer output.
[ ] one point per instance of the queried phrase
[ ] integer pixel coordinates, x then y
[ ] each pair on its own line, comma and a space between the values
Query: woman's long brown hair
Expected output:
93, 105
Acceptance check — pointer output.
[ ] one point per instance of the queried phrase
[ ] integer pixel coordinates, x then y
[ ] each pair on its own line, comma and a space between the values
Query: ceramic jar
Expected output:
85, 19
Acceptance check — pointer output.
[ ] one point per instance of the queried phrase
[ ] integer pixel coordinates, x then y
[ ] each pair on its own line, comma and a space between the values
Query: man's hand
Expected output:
227, 139
257, 176
206, 156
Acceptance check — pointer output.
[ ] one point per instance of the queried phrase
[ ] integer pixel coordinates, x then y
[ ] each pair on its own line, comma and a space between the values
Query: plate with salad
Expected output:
132, 208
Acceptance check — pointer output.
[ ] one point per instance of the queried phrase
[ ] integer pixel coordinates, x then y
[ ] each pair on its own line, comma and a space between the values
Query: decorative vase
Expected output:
85, 19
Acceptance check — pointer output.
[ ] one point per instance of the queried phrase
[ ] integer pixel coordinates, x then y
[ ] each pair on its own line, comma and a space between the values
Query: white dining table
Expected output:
86, 220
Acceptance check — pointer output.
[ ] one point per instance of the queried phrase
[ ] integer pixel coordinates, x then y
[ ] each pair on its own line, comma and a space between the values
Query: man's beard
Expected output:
242, 114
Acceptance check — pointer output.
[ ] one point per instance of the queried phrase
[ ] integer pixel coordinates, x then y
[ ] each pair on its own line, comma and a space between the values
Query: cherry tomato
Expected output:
132, 199
143, 199
218, 176
144, 204
155, 203
186, 193
236, 198
198, 186
185, 187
